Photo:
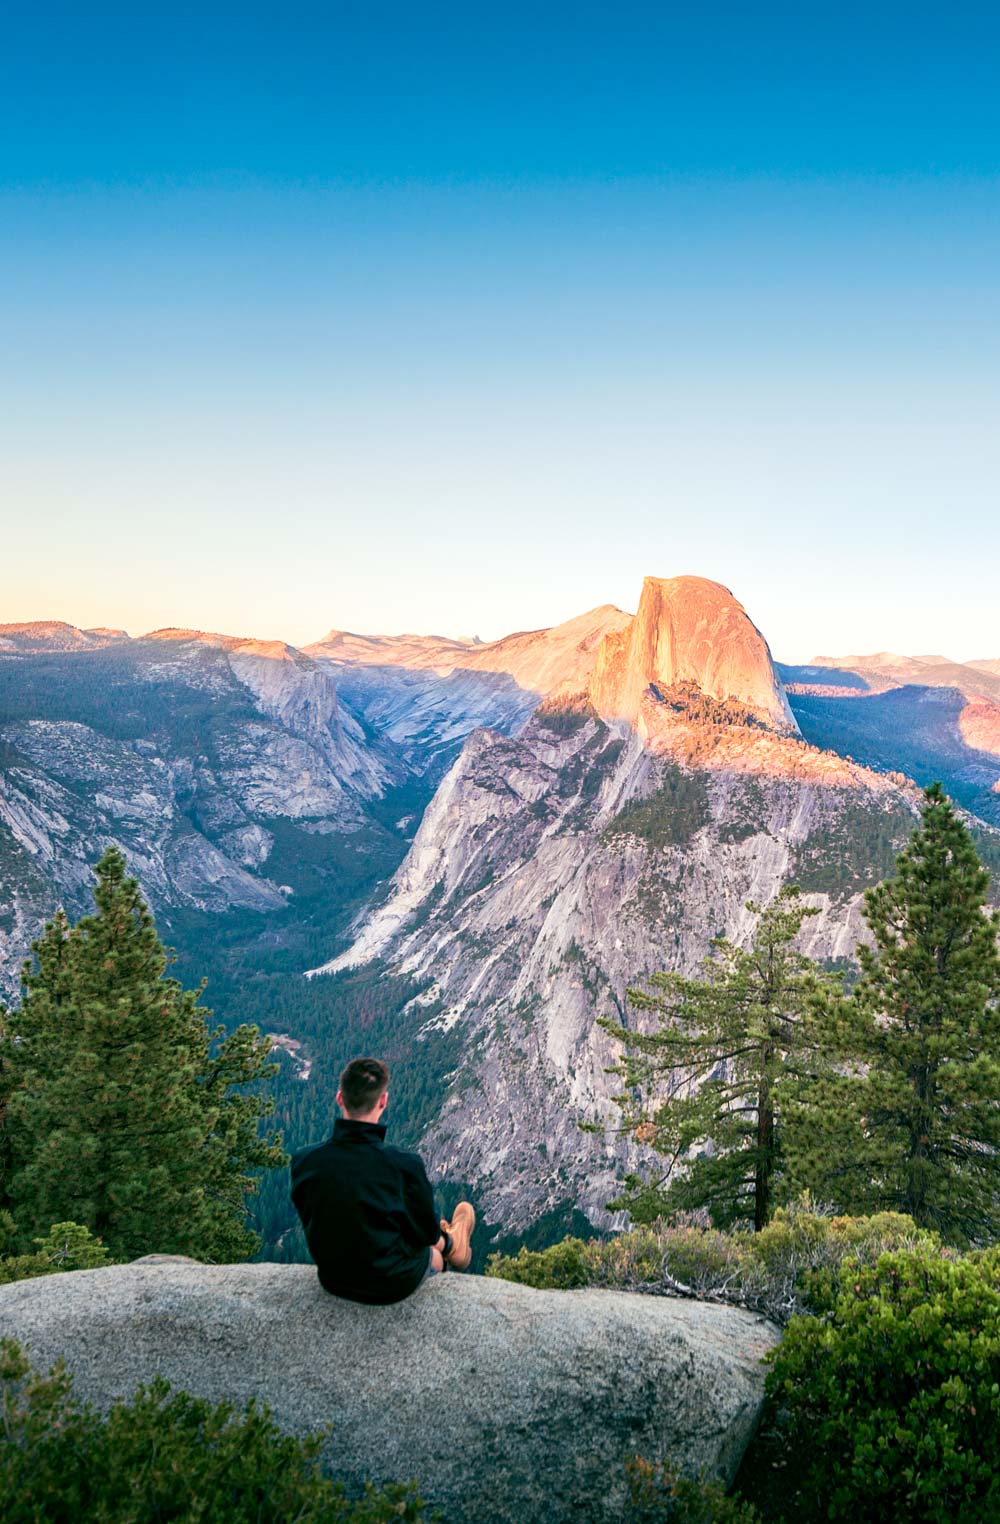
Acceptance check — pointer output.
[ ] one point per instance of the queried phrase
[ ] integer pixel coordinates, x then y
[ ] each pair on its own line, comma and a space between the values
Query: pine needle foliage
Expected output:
731, 1048
126, 1113
911, 1123
66, 1246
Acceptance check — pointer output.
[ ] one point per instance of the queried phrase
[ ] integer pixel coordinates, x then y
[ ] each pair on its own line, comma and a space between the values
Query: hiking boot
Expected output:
459, 1230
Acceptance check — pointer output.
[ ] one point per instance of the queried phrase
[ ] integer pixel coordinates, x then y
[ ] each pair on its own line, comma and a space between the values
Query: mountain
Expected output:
619, 831
434, 651
240, 776
54, 635
226, 768
888, 670
932, 717
425, 694
474, 846
688, 630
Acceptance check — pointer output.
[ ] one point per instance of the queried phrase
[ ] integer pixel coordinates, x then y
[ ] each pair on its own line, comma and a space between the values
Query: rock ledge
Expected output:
505, 1403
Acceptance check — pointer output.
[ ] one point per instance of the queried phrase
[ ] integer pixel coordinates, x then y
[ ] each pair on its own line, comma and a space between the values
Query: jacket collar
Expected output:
348, 1129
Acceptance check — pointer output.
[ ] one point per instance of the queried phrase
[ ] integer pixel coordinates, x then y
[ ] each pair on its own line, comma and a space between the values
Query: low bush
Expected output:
788, 1268
563, 1267
658, 1493
891, 1399
163, 1456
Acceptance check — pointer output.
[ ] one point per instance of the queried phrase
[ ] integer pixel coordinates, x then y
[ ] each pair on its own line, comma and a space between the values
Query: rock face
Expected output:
539, 660
615, 834
553, 870
688, 630
425, 694
213, 762
216, 761
609, 794
505, 1403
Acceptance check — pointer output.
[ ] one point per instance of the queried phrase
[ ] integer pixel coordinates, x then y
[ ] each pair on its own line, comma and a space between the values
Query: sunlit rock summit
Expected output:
688, 630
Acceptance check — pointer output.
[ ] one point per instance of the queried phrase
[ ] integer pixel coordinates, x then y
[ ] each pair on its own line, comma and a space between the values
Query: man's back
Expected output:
368, 1213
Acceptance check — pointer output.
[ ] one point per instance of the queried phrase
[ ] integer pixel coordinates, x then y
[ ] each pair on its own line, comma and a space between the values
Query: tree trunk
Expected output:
765, 1151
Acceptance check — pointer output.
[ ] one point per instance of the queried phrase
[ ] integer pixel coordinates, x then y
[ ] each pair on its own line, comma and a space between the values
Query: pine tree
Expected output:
730, 1050
912, 1123
128, 1114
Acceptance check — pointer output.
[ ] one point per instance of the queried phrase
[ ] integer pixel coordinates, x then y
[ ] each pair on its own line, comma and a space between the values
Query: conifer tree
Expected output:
731, 1050
912, 1123
128, 1114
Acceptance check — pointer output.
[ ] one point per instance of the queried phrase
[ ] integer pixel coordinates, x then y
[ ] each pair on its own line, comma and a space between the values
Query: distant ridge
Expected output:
543, 661
40, 635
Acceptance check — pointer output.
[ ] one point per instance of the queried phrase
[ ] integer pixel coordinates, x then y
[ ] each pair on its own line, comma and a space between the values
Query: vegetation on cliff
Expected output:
891, 1399
66, 1246
131, 1126
782, 1271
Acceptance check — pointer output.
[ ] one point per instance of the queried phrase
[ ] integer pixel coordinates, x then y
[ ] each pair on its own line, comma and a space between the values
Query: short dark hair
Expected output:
362, 1082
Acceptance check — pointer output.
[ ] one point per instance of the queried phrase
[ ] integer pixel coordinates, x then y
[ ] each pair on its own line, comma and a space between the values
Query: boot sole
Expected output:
461, 1253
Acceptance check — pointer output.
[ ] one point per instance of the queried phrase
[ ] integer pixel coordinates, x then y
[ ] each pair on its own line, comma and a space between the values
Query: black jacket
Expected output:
368, 1213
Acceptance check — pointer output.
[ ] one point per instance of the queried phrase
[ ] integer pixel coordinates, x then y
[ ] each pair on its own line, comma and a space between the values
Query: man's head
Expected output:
364, 1089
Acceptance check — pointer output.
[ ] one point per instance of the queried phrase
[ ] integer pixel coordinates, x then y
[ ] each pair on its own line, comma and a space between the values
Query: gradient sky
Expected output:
462, 318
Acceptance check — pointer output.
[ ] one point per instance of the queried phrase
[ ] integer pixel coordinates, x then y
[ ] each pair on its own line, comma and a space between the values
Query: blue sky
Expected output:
464, 318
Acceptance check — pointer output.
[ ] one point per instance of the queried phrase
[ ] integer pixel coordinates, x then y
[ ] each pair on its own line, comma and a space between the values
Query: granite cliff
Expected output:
424, 695
618, 832
214, 762
687, 631
478, 845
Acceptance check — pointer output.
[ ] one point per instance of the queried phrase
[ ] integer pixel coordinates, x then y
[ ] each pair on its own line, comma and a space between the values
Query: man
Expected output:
367, 1208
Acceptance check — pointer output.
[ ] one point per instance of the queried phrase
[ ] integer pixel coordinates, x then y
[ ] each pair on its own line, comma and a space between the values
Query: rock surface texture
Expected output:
214, 762
505, 1403
425, 695
688, 630
554, 869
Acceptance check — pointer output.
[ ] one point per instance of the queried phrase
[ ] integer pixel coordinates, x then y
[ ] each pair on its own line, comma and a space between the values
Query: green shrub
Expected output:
563, 1267
163, 1456
789, 1267
702, 1257
891, 1400
628, 1259
688, 1251
648, 1258
864, 1240
66, 1246
658, 1493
